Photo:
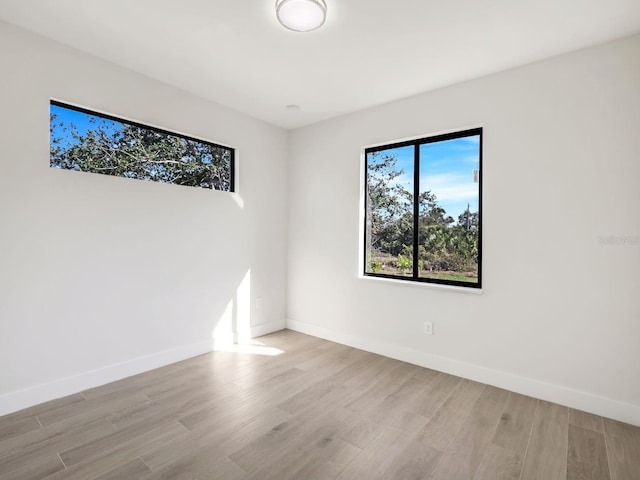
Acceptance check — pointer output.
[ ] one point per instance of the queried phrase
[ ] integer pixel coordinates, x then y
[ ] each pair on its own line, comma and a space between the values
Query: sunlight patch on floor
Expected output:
253, 348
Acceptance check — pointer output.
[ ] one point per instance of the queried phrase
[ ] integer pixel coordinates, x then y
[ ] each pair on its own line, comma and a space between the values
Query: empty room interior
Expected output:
320, 239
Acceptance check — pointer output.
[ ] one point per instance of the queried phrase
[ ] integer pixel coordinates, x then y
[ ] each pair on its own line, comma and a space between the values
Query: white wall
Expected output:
96, 270
559, 315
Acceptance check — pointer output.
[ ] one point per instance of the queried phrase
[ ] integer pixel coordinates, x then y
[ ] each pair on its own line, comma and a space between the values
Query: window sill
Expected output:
439, 286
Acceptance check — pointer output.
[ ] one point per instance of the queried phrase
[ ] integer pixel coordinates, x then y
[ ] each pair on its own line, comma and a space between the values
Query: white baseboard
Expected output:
269, 327
14, 401
587, 402
606, 407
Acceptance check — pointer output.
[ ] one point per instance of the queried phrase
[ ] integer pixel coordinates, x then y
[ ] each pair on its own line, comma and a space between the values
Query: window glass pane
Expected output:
91, 142
448, 231
389, 215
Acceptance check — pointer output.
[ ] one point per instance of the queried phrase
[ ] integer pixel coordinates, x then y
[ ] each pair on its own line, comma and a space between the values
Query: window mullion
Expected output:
416, 207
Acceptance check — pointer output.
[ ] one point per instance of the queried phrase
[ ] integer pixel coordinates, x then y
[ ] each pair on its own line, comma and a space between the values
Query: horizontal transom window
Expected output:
88, 141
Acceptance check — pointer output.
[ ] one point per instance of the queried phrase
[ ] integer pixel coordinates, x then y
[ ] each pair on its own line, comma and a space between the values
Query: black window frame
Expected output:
416, 192
106, 116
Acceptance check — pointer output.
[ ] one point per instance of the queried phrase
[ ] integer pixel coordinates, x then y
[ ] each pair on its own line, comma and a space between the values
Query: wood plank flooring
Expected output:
298, 407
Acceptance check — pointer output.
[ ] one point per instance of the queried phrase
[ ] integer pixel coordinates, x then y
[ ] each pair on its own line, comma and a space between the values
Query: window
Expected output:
93, 142
423, 210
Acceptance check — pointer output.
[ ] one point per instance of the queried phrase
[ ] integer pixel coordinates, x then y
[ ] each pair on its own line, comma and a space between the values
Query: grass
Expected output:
387, 265
456, 276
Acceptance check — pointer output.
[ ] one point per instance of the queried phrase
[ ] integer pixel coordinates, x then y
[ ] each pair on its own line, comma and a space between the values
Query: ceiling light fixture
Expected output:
301, 15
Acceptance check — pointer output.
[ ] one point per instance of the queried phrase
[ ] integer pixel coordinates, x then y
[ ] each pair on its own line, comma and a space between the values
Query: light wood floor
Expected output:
319, 410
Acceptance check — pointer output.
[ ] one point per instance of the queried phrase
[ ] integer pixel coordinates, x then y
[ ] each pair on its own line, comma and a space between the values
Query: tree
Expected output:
130, 151
389, 205
469, 220
430, 212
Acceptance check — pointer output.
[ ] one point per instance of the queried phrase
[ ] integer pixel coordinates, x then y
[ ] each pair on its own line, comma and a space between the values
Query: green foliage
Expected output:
389, 206
468, 219
404, 263
375, 267
134, 152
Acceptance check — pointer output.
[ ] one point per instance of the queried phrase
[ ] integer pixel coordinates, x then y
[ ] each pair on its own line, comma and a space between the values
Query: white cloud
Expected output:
450, 187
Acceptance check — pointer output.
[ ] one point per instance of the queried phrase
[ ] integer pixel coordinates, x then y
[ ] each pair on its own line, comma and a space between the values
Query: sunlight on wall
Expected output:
234, 325
222, 334
238, 199
243, 310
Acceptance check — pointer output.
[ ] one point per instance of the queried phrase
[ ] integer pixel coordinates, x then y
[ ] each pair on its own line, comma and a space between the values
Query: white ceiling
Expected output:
369, 51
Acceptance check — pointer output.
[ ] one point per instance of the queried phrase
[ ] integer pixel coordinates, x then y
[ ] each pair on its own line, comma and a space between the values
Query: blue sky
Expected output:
446, 168
80, 120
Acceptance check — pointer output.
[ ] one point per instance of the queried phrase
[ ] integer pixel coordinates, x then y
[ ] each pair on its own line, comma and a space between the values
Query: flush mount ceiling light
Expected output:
301, 15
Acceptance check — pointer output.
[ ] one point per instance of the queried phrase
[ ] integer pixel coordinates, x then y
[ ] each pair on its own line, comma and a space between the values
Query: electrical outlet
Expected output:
428, 328
259, 303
